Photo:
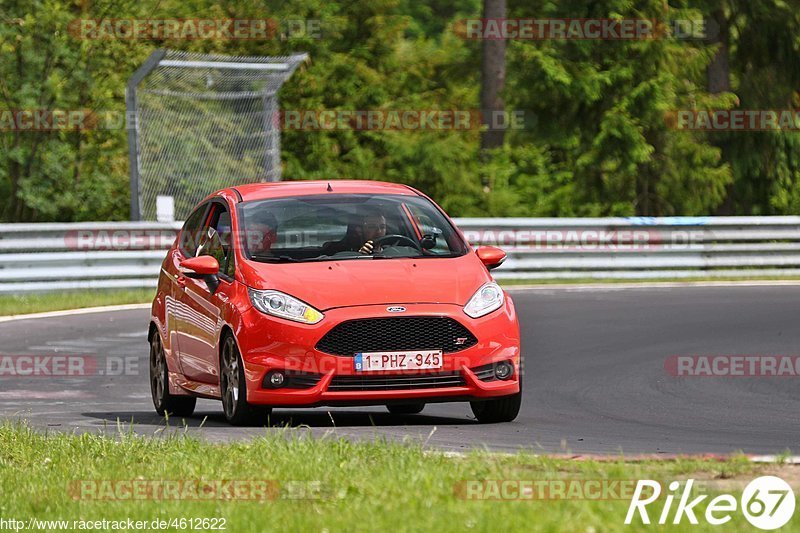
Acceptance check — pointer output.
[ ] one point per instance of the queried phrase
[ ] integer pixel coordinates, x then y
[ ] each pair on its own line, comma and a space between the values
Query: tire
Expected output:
503, 409
233, 389
164, 402
406, 409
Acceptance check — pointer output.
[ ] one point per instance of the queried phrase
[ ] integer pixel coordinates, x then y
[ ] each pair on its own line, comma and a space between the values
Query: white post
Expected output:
165, 208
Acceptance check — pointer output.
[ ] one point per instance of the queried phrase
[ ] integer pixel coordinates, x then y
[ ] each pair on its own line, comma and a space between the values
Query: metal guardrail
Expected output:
50, 257
91, 255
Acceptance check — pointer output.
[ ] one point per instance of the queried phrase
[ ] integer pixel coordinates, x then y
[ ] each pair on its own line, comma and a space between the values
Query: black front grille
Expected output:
397, 382
395, 334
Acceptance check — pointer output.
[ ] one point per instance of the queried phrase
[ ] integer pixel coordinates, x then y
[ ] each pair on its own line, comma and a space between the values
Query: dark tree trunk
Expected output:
493, 76
718, 72
718, 75
11, 212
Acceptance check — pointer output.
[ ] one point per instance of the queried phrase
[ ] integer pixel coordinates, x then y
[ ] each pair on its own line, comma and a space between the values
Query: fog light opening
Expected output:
277, 379
504, 370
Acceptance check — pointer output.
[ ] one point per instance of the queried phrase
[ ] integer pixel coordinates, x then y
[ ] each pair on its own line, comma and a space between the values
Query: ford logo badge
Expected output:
396, 309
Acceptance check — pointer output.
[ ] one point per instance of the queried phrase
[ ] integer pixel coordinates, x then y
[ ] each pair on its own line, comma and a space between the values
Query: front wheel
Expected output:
233, 389
503, 409
163, 401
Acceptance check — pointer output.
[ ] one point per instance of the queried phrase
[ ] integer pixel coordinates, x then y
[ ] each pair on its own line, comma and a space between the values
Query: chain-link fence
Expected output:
200, 123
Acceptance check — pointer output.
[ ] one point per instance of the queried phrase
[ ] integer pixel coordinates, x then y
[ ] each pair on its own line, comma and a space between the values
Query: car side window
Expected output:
218, 241
192, 231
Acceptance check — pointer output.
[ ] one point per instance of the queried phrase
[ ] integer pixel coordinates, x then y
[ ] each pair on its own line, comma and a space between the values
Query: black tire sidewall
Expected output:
244, 413
160, 409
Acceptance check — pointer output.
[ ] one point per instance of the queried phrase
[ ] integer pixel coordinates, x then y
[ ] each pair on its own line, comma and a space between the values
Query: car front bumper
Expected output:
273, 344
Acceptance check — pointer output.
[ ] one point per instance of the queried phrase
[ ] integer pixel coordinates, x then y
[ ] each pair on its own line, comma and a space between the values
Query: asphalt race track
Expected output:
595, 378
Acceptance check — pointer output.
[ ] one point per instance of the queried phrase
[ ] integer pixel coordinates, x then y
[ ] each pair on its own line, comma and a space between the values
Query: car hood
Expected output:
330, 284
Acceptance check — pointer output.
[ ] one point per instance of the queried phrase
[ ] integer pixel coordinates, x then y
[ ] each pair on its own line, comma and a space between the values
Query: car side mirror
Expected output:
491, 256
202, 267
198, 267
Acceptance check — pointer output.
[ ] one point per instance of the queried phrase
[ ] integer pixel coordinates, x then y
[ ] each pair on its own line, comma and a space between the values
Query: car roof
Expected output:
262, 191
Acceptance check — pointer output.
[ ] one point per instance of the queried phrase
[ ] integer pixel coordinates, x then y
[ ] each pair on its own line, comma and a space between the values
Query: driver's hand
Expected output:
367, 248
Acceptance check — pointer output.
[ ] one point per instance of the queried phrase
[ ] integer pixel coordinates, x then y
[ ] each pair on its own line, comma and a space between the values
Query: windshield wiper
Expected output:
344, 258
420, 256
439, 256
381, 256
276, 259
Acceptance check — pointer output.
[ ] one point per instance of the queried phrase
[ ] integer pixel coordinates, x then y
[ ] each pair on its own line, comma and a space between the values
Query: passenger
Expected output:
261, 233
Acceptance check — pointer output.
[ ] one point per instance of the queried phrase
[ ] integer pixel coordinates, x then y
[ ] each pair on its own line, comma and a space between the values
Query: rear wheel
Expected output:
503, 409
406, 409
233, 388
163, 401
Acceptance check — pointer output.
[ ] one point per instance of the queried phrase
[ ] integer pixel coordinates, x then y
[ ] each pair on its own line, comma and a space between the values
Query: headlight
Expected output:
285, 306
488, 298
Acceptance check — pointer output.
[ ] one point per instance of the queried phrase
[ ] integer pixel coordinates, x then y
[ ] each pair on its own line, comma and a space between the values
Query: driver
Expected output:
360, 236
373, 227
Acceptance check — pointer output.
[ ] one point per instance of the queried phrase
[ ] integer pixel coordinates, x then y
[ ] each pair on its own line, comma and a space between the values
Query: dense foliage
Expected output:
596, 141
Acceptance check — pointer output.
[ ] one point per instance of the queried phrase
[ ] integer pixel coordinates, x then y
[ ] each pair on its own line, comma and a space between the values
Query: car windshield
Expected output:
346, 226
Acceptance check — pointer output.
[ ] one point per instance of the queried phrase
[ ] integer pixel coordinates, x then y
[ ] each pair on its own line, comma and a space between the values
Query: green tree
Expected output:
62, 175
756, 61
602, 145
598, 140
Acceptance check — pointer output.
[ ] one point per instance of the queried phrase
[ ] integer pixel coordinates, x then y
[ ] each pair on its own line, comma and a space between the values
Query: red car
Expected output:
302, 294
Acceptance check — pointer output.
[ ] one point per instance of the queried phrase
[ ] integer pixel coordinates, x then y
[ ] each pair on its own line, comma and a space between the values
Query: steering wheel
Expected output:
395, 240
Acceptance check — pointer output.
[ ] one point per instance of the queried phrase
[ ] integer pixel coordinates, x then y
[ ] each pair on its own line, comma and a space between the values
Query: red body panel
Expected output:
191, 320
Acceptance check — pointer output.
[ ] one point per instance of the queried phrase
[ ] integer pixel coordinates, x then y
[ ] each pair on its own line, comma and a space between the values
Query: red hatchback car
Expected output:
302, 294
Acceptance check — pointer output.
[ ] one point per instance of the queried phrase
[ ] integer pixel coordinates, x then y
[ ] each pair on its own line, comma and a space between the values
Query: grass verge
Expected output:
323, 484
42, 302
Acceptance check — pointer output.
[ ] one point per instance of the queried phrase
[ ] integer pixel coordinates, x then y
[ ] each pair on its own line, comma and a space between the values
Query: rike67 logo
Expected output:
767, 503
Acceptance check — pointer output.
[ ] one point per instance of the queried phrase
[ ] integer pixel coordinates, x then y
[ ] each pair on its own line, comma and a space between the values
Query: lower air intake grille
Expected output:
396, 334
397, 382
485, 373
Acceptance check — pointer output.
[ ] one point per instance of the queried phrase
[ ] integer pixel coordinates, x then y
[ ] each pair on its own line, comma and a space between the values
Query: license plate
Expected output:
414, 360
